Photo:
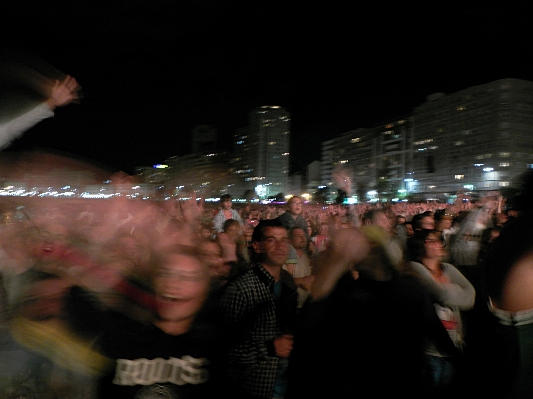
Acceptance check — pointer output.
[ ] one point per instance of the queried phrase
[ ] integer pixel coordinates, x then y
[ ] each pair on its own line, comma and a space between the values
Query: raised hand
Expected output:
63, 92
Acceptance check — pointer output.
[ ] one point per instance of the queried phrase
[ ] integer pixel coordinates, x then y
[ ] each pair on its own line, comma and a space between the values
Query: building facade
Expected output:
478, 139
261, 155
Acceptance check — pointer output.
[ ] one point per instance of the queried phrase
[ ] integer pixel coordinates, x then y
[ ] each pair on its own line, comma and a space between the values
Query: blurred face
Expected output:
382, 220
295, 206
234, 231
298, 239
248, 231
434, 247
181, 285
211, 256
445, 224
427, 222
51, 241
274, 246
226, 204
409, 229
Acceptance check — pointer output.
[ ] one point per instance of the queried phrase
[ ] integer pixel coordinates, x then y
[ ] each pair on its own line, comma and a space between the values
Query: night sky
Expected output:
152, 70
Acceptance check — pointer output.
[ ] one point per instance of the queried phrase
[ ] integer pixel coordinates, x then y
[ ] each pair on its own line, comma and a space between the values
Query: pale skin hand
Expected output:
191, 209
304, 282
283, 345
63, 92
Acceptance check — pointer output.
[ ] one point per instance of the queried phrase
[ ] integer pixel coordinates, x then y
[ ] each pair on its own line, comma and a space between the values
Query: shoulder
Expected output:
287, 279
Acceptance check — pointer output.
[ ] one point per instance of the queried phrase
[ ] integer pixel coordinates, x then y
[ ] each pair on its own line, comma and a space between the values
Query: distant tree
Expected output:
249, 195
321, 195
280, 197
361, 190
341, 196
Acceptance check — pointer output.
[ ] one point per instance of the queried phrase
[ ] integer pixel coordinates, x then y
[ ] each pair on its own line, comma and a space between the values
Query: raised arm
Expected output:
61, 93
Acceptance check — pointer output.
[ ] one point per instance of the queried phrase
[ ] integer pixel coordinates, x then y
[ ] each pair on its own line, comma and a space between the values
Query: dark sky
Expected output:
152, 70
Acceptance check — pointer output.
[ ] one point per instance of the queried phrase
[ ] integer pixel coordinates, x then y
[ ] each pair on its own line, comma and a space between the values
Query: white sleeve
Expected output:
14, 128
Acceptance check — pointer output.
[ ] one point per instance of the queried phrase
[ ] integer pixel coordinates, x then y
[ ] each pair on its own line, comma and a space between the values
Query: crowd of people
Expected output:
135, 298
130, 298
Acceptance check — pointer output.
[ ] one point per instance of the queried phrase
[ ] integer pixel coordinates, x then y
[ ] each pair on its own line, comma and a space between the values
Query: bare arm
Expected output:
347, 247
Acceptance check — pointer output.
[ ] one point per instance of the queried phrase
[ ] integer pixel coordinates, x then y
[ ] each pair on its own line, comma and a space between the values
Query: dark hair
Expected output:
228, 223
296, 228
259, 230
371, 214
416, 245
225, 197
441, 214
417, 219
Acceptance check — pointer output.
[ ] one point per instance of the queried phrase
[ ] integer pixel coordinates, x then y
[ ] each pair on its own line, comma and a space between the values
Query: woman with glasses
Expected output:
451, 293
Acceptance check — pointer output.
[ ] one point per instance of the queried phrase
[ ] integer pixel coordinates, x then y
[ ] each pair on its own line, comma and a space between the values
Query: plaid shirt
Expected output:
254, 319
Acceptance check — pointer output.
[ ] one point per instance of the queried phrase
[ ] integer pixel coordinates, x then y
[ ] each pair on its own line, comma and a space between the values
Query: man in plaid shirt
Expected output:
260, 311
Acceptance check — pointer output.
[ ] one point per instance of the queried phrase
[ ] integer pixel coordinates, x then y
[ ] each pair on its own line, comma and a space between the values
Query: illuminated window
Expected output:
505, 154
504, 183
459, 177
460, 142
504, 164
357, 140
271, 142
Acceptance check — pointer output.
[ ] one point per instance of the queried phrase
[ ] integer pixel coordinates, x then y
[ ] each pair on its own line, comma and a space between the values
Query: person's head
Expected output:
377, 217
500, 218
489, 234
233, 228
424, 221
424, 244
409, 231
270, 240
210, 253
181, 284
226, 201
400, 219
443, 220
298, 238
295, 205
206, 230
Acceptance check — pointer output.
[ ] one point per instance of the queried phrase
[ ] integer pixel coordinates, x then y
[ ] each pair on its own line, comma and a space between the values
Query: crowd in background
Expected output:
74, 272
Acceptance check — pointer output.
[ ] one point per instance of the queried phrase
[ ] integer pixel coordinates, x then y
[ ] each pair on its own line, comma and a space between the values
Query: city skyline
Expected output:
152, 72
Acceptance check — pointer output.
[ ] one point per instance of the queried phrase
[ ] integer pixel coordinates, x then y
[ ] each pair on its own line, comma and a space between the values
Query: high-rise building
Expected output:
354, 151
261, 156
477, 139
